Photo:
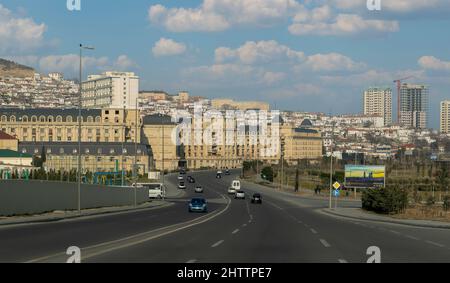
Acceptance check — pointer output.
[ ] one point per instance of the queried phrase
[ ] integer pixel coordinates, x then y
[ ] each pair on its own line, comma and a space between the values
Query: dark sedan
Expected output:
257, 199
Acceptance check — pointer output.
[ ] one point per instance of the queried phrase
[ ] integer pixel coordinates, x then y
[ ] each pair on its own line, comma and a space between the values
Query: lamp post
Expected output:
331, 166
80, 105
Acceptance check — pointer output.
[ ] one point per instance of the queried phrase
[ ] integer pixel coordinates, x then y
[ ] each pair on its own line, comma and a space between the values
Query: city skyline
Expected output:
293, 55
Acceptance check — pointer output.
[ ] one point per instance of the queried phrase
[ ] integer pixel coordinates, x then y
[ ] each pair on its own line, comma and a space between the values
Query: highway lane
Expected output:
27, 242
283, 229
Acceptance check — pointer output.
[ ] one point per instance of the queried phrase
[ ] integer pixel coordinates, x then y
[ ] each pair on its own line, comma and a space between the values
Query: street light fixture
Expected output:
80, 105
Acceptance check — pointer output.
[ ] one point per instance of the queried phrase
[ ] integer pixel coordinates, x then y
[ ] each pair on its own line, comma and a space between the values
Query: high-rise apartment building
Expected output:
445, 117
378, 102
114, 90
414, 106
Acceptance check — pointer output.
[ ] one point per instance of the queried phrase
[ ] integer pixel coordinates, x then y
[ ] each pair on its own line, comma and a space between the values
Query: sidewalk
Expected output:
359, 214
303, 193
64, 215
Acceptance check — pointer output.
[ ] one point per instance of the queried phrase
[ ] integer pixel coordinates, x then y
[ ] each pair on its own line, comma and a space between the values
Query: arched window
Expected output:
25, 119
4, 119
98, 119
33, 119
69, 119
90, 119
12, 118
42, 119
50, 119
59, 119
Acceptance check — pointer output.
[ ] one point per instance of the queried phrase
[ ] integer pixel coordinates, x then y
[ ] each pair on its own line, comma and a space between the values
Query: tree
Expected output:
297, 177
268, 173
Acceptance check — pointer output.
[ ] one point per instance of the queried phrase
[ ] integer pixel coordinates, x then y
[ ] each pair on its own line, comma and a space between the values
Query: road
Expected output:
283, 229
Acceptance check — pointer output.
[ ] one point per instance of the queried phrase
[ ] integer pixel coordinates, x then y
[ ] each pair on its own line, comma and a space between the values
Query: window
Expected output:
25, 119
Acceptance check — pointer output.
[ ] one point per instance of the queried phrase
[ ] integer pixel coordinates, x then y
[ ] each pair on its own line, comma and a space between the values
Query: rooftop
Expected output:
6, 153
5, 136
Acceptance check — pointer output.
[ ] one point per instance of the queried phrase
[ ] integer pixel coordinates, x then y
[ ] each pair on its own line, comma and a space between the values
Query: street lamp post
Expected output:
331, 166
80, 105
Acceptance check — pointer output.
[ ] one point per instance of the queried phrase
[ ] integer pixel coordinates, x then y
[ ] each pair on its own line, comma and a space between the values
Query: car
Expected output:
155, 190
199, 189
198, 205
191, 180
257, 199
180, 177
239, 195
218, 176
227, 172
183, 172
231, 191
182, 186
219, 172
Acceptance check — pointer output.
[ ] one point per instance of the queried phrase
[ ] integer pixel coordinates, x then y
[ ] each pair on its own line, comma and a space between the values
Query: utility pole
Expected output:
123, 140
331, 165
135, 168
80, 105
162, 145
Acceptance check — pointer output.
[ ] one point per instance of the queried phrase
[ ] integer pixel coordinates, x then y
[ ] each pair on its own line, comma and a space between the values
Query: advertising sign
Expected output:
364, 176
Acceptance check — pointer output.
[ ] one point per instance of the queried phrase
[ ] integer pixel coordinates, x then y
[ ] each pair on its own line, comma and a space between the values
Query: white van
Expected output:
236, 185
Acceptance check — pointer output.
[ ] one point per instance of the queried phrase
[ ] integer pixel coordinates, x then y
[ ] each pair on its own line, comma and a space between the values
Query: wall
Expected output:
34, 197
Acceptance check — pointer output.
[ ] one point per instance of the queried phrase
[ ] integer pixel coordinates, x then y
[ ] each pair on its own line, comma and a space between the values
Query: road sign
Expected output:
337, 193
337, 186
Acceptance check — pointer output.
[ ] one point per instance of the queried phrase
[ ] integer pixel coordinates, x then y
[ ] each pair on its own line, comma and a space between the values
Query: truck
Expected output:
155, 190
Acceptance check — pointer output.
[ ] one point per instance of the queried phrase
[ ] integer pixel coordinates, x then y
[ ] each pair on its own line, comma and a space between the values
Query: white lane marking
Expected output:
313, 231
412, 237
395, 232
235, 231
325, 243
300, 222
192, 261
342, 261
274, 205
217, 244
244, 225
435, 244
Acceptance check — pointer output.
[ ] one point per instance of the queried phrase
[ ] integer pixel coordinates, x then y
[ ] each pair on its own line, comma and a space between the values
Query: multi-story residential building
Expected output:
111, 90
414, 106
8, 142
378, 102
239, 105
445, 117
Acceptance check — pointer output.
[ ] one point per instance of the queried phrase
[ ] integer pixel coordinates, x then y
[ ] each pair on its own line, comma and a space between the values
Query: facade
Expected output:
61, 125
153, 95
414, 106
8, 142
111, 90
378, 102
445, 117
95, 157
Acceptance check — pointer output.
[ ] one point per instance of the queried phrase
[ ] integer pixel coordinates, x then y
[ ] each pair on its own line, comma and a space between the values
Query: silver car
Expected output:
239, 195
199, 189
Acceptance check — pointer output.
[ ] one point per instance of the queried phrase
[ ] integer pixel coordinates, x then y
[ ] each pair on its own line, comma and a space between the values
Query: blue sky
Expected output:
297, 55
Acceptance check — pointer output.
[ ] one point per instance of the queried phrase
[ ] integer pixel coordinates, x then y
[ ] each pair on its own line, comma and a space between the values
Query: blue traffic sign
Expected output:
336, 193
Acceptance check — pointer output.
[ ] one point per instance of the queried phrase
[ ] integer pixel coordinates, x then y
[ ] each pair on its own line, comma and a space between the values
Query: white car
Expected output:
182, 186
155, 190
239, 195
199, 189
231, 191
180, 177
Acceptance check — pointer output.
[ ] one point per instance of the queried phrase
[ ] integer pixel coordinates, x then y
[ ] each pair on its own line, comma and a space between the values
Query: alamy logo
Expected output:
75, 255
74, 5
374, 5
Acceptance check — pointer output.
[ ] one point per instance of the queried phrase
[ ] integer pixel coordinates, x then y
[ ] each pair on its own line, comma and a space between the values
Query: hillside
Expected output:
12, 69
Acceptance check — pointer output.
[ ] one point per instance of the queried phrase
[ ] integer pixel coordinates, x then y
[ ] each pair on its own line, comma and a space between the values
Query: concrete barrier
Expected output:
34, 197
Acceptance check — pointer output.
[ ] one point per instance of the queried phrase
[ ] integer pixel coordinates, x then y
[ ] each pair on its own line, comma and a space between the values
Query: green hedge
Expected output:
385, 200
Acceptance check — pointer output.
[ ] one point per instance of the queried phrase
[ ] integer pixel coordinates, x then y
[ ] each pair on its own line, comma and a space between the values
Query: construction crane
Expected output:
399, 86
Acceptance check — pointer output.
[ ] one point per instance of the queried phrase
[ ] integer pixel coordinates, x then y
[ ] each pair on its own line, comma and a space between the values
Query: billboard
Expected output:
364, 176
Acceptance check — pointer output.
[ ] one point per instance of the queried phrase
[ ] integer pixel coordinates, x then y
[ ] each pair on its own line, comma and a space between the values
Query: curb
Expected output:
390, 221
55, 218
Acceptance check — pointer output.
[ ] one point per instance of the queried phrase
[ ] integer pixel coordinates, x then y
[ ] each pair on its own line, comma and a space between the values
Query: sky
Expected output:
313, 55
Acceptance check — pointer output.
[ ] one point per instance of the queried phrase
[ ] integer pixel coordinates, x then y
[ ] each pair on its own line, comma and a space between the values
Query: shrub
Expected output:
446, 204
385, 200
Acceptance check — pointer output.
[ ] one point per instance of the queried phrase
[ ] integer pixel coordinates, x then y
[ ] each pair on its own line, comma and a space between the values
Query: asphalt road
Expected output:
283, 229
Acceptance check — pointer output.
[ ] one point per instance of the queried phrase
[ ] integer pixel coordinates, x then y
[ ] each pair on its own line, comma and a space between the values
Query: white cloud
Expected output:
168, 47
433, 63
396, 6
124, 63
332, 62
69, 63
271, 78
18, 34
258, 52
343, 24
219, 15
